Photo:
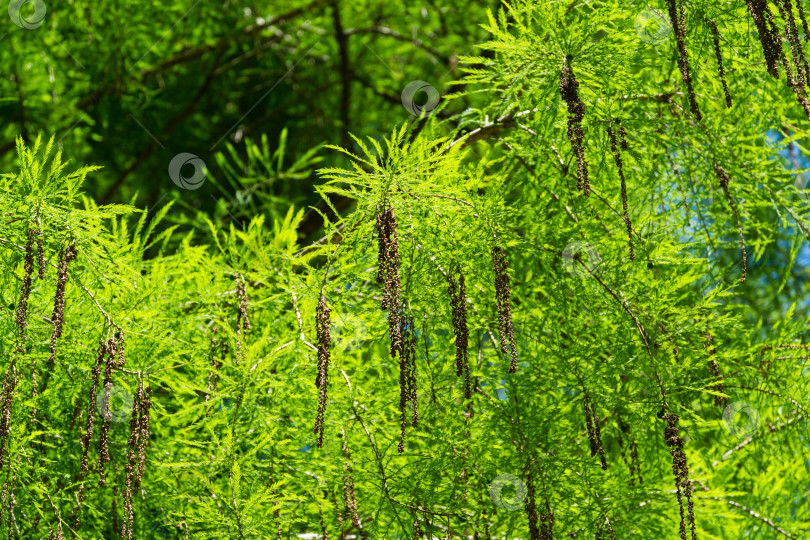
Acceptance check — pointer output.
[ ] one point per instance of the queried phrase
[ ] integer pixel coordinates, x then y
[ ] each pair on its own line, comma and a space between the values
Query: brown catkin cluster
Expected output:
349, 498
605, 531
242, 320
322, 332
113, 354
417, 529
530, 506
576, 113
104, 348
25, 292
680, 470
799, 61
66, 255
617, 157
594, 429
40, 256
458, 305
324, 533
217, 345
678, 19
7, 503
388, 274
768, 35
633, 463
136, 455
504, 305
407, 379
722, 175
714, 368
6, 400
547, 523
719, 56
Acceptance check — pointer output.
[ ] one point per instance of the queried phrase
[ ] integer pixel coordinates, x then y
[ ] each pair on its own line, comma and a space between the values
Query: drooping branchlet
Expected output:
719, 56
576, 113
458, 306
322, 331
504, 306
388, 274
679, 26
680, 471
617, 157
242, 321
530, 506
723, 176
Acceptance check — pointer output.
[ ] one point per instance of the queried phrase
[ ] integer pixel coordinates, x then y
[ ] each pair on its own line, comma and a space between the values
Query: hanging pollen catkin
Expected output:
407, 380
771, 44
719, 56
322, 332
617, 157
679, 26
680, 471
722, 175
503, 302
40, 256
213, 375
530, 506
106, 414
576, 113
242, 321
66, 255
799, 62
388, 274
25, 292
594, 430
458, 305
714, 368
547, 523
6, 399
136, 454
104, 347
349, 498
